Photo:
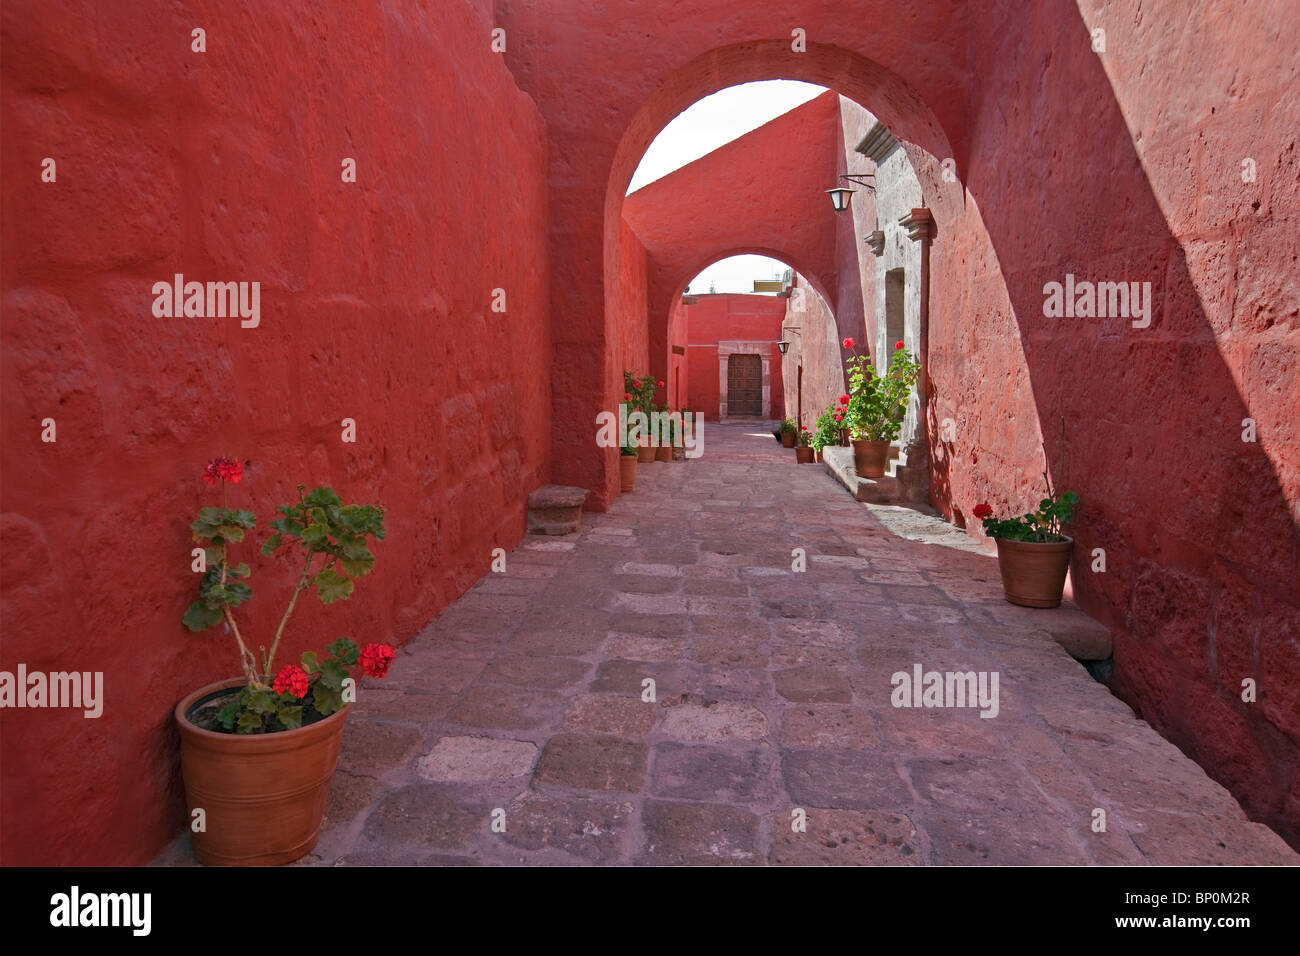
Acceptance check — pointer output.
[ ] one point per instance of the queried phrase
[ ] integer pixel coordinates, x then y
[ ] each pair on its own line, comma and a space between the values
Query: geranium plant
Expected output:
333, 540
877, 403
789, 427
1043, 524
805, 438
639, 392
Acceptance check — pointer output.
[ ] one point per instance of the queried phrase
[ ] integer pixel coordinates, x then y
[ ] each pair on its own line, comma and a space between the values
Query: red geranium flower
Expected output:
848, 343
376, 659
628, 396
982, 511
661, 383
839, 418
636, 383
225, 469
898, 344
844, 399
293, 679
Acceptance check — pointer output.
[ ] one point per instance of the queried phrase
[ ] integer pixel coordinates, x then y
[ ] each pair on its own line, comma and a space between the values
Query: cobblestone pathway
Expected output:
773, 694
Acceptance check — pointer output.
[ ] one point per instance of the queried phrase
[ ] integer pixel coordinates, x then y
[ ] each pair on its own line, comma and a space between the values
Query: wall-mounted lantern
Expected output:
783, 346
841, 195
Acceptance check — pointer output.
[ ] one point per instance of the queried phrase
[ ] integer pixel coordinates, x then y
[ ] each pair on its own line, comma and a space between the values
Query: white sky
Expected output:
702, 128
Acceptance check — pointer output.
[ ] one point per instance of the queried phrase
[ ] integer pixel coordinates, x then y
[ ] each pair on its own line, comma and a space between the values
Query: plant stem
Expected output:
293, 600
245, 655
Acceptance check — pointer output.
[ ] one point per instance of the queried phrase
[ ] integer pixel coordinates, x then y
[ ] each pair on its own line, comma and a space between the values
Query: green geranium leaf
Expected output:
249, 723
326, 700
309, 661
200, 617
332, 586
228, 714
262, 701
346, 650
357, 560
242, 570
315, 534
290, 716
332, 673
270, 544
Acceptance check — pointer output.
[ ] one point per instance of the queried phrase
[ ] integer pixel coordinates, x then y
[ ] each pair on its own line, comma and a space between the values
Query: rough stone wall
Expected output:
1128, 164
375, 304
855, 297
817, 348
629, 317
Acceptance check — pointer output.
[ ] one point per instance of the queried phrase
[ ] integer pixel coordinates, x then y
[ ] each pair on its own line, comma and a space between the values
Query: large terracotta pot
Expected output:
664, 453
787, 439
645, 453
627, 472
1033, 572
803, 455
263, 795
870, 458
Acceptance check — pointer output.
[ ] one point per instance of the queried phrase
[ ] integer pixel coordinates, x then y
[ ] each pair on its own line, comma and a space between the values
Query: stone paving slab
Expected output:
517, 728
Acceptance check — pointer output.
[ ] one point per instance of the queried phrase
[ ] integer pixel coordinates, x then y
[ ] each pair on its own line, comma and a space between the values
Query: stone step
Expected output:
556, 509
885, 490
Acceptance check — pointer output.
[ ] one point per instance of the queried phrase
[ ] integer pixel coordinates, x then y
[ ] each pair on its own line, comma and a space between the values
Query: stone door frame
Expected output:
729, 348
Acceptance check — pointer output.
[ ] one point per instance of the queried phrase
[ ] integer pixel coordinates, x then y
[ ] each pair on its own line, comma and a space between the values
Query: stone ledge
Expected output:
1083, 638
556, 509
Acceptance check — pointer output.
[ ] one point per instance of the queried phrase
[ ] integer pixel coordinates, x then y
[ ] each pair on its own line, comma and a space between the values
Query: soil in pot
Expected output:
1033, 572
263, 795
627, 472
870, 458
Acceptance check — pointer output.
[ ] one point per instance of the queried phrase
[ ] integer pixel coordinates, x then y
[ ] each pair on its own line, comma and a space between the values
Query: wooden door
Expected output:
745, 385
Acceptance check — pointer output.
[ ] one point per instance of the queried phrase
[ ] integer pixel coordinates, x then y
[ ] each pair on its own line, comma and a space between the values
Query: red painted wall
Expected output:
375, 305
629, 307
714, 318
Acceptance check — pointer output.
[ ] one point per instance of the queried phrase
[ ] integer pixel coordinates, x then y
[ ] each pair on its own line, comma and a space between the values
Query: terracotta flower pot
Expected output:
803, 455
1033, 572
645, 453
870, 458
627, 472
263, 795
664, 453
787, 439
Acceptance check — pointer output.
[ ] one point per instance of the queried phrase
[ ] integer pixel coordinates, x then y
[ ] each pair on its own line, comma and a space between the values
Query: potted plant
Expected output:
258, 751
627, 468
829, 427
803, 453
1033, 553
638, 394
789, 430
877, 404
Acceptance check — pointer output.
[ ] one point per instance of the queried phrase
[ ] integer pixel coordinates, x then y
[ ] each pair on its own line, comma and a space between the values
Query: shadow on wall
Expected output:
1146, 423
